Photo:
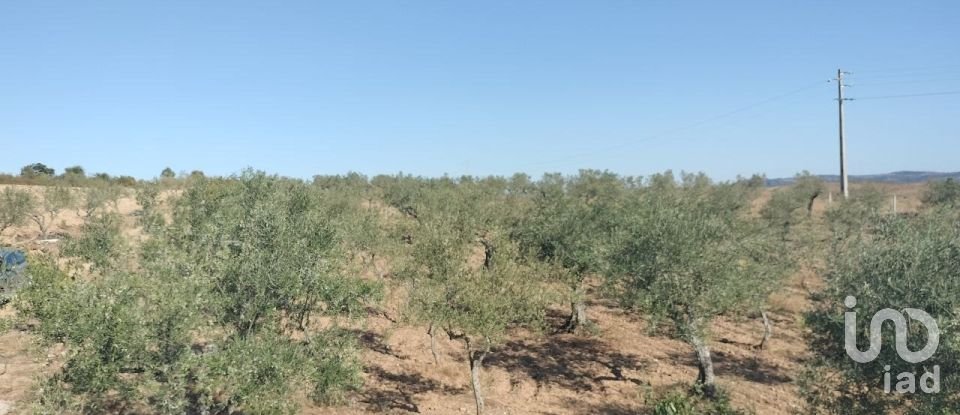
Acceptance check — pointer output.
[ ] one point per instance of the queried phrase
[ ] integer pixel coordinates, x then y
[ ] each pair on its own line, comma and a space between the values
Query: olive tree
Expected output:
568, 225
475, 302
901, 263
271, 250
150, 216
791, 206
473, 305
795, 234
942, 193
16, 206
99, 196
37, 170
74, 175
215, 315
848, 219
686, 255
53, 200
100, 242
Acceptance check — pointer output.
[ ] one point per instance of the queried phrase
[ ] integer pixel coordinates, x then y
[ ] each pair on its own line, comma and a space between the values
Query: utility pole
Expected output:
844, 184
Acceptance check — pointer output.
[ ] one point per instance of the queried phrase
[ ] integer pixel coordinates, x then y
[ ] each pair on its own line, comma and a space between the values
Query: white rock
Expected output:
6, 407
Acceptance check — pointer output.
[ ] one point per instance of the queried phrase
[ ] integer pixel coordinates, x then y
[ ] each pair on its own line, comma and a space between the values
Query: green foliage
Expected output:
472, 301
270, 247
901, 262
125, 181
568, 225
36, 170
686, 403
99, 196
479, 300
690, 254
789, 214
53, 200
570, 220
168, 173
76, 171
849, 219
687, 253
401, 192
150, 217
215, 316
16, 206
791, 206
942, 194
479, 303
100, 243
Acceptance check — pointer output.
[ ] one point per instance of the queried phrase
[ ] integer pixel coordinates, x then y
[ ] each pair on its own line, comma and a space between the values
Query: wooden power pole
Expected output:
844, 184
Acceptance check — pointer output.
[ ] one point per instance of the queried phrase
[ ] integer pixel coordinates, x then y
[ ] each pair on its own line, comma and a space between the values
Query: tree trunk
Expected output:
810, 203
578, 317
476, 363
433, 344
767, 329
578, 313
487, 253
42, 224
705, 378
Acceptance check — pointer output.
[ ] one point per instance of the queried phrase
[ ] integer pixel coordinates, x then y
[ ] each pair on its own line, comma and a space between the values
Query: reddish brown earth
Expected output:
611, 372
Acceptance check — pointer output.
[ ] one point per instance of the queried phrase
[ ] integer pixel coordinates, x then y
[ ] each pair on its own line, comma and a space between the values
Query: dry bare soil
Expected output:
610, 372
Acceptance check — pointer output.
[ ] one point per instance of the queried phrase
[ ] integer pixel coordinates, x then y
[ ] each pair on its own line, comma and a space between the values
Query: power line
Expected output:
905, 76
924, 94
694, 124
913, 81
909, 70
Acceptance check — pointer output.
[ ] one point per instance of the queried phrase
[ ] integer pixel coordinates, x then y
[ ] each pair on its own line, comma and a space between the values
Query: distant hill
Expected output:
895, 177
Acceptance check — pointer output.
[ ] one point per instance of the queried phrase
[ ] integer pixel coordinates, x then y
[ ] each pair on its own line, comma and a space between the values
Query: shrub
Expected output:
690, 403
942, 193
100, 243
474, 304
569, 225
900, 262
215, 316
100, 196
688, 254
16, 206
53, 200
36, 170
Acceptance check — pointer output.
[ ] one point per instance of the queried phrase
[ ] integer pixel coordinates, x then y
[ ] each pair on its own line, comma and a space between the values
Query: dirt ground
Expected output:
611, 372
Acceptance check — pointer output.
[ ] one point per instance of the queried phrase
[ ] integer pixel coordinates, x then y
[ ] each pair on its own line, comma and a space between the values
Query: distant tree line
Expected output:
42, 174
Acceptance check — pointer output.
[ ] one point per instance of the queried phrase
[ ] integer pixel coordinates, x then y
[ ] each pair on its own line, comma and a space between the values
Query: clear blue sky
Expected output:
492, 87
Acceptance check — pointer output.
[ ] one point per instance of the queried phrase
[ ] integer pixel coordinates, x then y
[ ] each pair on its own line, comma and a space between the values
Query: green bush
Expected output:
568, 225
16, 206
691, 403
688, 254
942, 193
53, 200
475, 304
899, 262
100, 243
214, 318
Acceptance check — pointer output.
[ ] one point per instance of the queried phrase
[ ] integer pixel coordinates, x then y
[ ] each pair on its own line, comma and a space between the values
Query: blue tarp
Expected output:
12, 263
11, 258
